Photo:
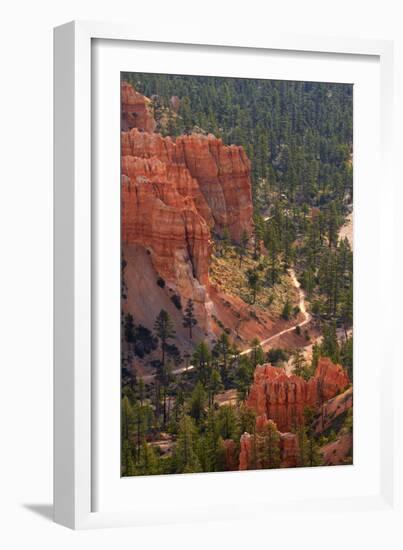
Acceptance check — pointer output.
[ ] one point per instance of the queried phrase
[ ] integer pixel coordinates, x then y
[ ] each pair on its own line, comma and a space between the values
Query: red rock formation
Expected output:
135, 110
289, 450
245, 455
222, 173
173, 193
168, 225
230, 455
287, 444
172, 176
283, 398
329, 380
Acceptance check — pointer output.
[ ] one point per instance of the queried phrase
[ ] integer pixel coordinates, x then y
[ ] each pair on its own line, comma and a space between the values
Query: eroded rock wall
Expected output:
175, 192
222, 172
283, 398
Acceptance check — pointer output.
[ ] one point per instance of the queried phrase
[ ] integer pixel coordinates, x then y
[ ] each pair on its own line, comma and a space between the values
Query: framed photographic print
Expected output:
208, 288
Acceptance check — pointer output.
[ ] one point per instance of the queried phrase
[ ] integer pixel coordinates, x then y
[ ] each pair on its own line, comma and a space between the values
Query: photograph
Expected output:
236, 274
203, 260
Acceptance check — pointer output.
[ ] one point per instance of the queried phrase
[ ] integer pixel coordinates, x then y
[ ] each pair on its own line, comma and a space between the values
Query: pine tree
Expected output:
309, 454
270, 447
316, 351
186, 114
189, 320
257, 354
127, 418
127, 463
246, 421
213, 443
330, 345
197, 403
254, 282
164, 377
129, 329
227, 421
299, 364
202, 361
243, 377
286, 312
221, 353
347, 310
214, 385
165, 331
141, 390
346, 356
243, 247
185, 459
258, 236
148, 463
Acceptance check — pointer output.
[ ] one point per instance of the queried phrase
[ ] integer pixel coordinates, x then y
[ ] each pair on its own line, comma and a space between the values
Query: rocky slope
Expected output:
339, 451
283, 398
333, 412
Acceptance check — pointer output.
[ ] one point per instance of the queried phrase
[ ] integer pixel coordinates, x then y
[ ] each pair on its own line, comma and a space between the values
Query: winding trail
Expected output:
302, 307
346, 231
150, 377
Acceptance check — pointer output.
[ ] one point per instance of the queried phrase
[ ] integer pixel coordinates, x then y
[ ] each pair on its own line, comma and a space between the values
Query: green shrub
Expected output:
161, 282
176, 299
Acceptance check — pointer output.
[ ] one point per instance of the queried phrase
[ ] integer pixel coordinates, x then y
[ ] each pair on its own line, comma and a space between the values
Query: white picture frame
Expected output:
76, 467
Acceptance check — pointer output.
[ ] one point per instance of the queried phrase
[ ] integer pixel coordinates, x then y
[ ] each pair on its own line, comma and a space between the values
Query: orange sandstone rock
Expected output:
136, 110
168, 225
289, 450
283, 398
174, 192
171, 176
222, 173
245, 455
287, 445
230, 455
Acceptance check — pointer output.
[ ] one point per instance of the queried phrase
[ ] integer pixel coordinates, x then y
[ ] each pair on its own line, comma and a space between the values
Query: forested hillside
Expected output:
253, 298
298, 135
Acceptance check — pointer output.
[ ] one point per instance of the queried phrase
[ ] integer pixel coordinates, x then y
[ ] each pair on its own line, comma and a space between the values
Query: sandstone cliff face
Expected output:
173, 177
135, 109
174, 193
283, 398
222, 173
167, 224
